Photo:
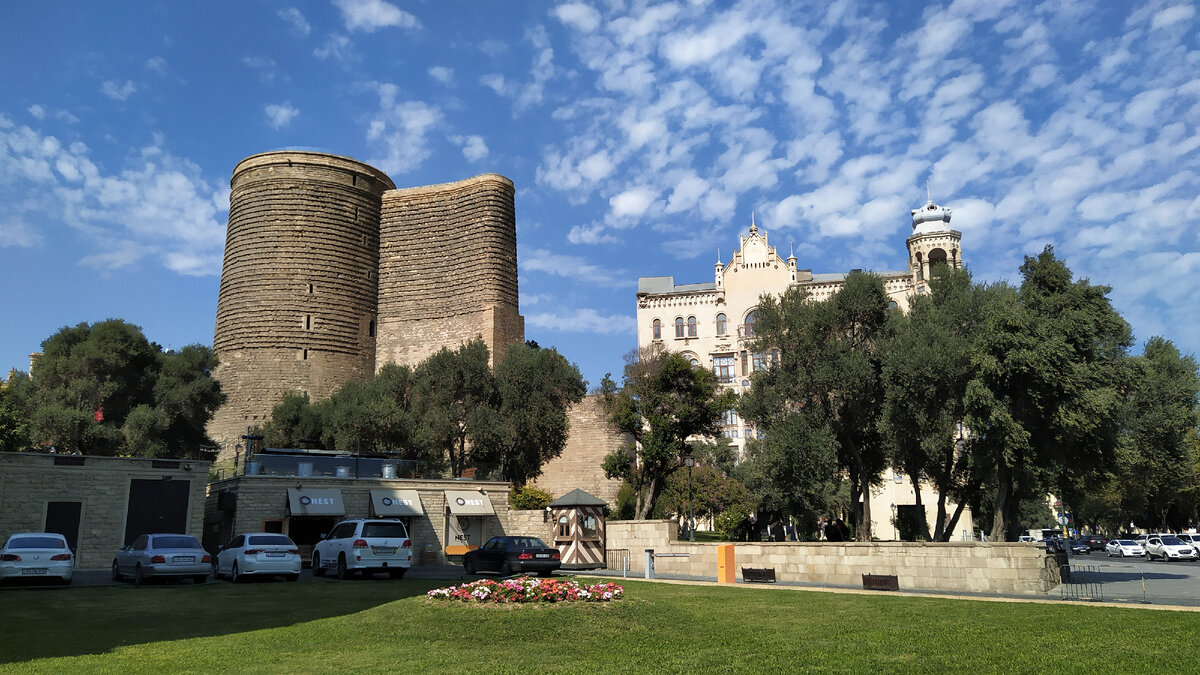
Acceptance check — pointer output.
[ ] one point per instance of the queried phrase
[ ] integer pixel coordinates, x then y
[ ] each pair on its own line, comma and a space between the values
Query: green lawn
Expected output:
389, 626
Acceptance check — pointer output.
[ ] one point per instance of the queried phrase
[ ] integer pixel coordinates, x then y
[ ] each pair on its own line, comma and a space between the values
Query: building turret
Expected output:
931, 243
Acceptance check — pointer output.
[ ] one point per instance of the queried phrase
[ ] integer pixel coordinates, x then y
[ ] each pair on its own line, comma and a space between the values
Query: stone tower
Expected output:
298, 294
448, 269
932, 242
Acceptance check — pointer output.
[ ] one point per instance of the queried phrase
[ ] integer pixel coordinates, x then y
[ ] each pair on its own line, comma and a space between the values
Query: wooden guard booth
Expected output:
578, 519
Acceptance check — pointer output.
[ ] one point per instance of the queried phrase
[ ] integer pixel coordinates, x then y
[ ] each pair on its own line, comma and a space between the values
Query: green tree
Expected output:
711, 492
536, 387
662, 402
14, 416
454, 405
827, 392
294, 422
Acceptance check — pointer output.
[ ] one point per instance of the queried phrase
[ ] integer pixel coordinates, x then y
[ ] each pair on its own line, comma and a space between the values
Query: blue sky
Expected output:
640, 137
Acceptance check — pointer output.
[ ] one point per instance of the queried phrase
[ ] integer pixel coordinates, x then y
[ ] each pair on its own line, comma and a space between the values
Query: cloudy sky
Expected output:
640, 136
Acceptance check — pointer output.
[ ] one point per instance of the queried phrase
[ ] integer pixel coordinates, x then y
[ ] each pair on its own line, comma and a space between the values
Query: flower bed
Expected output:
528, 589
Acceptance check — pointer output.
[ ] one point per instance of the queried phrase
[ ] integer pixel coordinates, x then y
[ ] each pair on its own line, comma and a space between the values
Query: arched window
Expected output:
679, 326
691, 358
657, 329
691, 326
721, 324
748, 326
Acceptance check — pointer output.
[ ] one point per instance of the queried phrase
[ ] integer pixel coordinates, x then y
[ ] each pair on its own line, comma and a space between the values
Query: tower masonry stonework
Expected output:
330, 272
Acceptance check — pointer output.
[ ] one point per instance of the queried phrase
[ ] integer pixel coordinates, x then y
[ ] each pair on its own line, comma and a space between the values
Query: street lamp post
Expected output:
689, 462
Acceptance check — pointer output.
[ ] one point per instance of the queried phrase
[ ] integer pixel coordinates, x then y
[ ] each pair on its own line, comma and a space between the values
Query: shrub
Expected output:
727, 523
528, 497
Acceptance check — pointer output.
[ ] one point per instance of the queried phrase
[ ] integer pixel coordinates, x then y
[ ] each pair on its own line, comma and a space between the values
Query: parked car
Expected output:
1191, 539
44, 555
507, 555
1027, 539
1169, 548
1079, 547
1124, 548
168, 556
1094, 541
257, 554
366, 545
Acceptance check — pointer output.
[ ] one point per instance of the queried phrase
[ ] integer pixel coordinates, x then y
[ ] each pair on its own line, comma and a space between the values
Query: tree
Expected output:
454, 405
711, 493
926, 370
536, 387
827, 392
294, 420
104, 389
662, 402
1046, 387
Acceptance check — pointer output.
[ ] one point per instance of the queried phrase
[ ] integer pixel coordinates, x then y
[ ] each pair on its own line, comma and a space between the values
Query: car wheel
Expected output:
116, 574
343, 572
234, 576
505, 569
468, 567
318, 571
216, 570
138, 579
397, 572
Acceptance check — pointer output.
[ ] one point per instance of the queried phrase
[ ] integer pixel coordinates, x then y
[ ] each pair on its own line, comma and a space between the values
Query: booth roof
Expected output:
578, 497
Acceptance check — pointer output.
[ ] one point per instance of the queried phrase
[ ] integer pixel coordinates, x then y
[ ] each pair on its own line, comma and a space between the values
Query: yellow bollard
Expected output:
726, 573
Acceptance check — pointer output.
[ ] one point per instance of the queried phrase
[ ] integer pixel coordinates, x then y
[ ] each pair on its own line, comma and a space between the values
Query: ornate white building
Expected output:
711, 323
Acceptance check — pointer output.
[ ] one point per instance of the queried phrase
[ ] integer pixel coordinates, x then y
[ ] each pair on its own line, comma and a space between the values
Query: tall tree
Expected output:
829, 376
1046, 387
454, 404
536, 387
662, 402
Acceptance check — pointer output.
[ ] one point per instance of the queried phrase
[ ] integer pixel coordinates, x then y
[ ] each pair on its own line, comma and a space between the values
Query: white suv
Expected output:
1168, 547
366, 545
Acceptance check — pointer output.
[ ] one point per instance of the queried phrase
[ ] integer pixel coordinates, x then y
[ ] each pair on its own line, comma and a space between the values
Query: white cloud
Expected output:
632, 203
1173, 15
582, 320
402, 129
295, 19
280, 115
473, 147
118, 92
337, 47
370, 15
37, 111
578, 16
157, 64
14, 232
442, 74
572, 267
596, 233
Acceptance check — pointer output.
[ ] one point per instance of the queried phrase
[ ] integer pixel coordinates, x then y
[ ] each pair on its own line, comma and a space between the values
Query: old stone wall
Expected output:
298, 296
30, 481
448, 269
580, 464
958, 567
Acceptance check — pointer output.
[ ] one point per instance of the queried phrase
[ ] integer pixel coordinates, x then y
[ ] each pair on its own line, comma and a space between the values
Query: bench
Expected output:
762, 575
881, 582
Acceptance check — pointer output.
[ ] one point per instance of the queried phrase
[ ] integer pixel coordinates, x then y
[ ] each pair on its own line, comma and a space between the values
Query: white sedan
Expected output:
36, 555
258, 554
1124, 548
1169, 548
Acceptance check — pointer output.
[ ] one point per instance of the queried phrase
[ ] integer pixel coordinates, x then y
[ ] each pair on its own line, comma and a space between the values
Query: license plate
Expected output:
184, 558
34, 570
541, 555
383, 549
275, 555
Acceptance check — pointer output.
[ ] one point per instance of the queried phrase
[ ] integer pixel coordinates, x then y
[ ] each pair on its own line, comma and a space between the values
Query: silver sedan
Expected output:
172, 556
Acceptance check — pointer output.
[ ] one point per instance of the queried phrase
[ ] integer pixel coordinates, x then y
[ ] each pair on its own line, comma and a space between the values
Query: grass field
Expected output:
389, 626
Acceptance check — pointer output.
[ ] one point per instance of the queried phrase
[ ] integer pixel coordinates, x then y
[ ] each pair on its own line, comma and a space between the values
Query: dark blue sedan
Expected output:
512, 555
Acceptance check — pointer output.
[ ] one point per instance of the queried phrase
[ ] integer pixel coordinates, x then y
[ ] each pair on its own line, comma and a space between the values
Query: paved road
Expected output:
1123, 580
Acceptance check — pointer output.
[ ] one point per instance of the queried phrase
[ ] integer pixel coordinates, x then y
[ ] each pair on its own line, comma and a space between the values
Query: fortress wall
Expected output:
448, 269
580, 464
296, 309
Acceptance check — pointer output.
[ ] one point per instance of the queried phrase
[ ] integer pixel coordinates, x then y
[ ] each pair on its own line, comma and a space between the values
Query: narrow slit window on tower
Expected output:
308, 322
305, 355
310, 289
371, 329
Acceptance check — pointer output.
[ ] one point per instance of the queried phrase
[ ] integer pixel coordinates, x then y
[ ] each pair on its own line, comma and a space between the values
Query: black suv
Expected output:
1094, 541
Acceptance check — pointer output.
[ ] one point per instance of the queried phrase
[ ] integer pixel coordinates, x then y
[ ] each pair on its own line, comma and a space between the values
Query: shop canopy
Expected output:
468, 503
396, 503
313, 502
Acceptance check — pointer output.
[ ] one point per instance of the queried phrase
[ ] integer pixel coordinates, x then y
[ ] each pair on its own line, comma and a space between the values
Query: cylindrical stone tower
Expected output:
299, 285
448, 269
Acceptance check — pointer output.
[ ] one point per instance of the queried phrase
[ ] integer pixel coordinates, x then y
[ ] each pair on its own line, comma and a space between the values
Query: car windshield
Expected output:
1172, 541
383, 530
176, 542
270, 540
36, 542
